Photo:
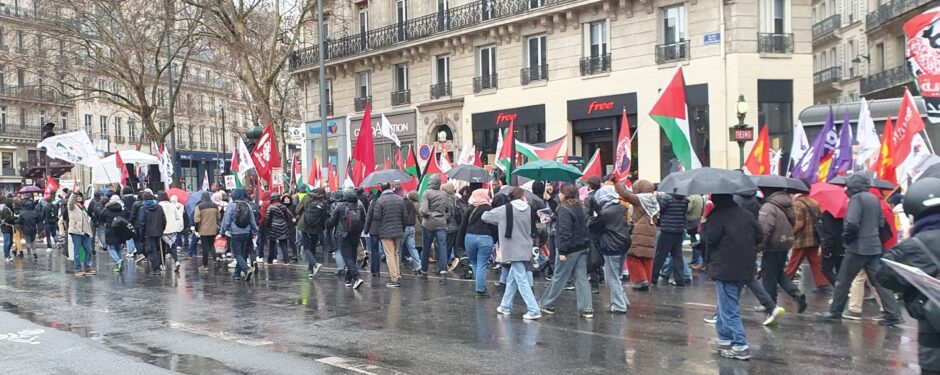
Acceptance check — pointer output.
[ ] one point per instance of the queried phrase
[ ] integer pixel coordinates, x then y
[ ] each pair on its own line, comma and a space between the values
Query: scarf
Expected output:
150, 202
650, 204
479, 197
929, 222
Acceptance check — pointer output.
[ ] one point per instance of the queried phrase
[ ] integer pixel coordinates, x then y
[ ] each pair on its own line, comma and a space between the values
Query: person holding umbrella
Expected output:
387, 216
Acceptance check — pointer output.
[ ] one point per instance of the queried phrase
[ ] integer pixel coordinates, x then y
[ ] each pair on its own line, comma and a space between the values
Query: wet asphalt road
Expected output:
282, 323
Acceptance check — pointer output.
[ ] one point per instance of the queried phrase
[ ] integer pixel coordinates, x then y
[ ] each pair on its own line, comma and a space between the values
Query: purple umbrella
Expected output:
30, 190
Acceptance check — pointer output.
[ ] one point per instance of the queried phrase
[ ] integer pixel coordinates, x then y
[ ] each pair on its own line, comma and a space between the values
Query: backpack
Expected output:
122, 228
353, 220
51, 215
242, 215
315, 215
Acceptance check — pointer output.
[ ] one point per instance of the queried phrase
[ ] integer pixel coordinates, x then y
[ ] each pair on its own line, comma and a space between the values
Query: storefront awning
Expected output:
880, 110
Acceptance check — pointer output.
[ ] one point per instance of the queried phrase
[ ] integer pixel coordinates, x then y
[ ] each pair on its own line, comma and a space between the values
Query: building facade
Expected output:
560, 68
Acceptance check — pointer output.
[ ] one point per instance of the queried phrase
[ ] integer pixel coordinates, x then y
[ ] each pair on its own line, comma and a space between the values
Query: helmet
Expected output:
922, 197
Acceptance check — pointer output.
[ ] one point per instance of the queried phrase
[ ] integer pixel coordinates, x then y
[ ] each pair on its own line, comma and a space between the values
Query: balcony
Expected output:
440, 90
456, 18
595, 64
890, 11
16, 12
672, 52
33, 93
401, 97
487, 82
887, 79
535, 73
774, 43
119, 139
8, 171
203, 145
30, 132
827, 79
359, 104
827, 28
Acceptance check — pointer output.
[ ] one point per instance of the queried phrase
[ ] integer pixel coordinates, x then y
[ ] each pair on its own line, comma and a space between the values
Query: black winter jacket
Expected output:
312, 203
571, 232
130, 200
862, 219
830, 236
152, 221
7, 218
278, 221
672, 210
386, 217
111, 211
731, 236
49, 213
29, 218
473, 223
610, 230
411, 218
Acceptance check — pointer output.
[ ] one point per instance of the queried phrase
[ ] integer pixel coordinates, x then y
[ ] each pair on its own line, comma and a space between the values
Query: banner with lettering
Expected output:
265, 155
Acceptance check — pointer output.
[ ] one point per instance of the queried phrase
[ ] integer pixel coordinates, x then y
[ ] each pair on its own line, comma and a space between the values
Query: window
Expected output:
674, 24
132, 130
3, 116
202, 135
487, 9
39, 42
3, 79
595, 42
536, 59
774, 17
212, 140
7, 160
22, 116
103, 125
118, 128
19, 40
535, 3
851, 54
401, 77
20, 77
88, 124
329, 98
879, 58
161, 97
401, 15
442, 20
486, 69
901, 50
363, 88
64, 120
2, 38
42, 117
364, 26
442, 69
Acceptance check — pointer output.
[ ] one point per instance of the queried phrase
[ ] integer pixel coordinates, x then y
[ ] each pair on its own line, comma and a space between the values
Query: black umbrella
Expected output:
707, 180
932, 171
875, 182
779, 182
469, 173
391, 176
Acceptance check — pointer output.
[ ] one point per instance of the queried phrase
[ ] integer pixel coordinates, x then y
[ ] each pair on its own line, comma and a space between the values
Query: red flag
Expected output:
265, 155
314, 171
433, 167
909, 123
118, 161
51, 187
388, 163
478, 159
508, 142
398, 160
624, 153
411, 163
758, 162
593, 168
331, 177
297, 171
364, 151
884, 166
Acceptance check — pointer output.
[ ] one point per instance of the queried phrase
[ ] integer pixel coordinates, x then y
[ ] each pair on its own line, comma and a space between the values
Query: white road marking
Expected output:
26, 336
700, 305
241, 339
358, 366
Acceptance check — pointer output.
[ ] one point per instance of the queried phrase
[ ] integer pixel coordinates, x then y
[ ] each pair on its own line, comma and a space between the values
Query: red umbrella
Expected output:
181, 195
830, 197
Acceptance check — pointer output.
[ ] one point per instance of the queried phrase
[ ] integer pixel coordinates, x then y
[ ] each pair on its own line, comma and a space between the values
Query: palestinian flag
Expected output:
593, 167
430, 170
672, 114
541, 151
411, 163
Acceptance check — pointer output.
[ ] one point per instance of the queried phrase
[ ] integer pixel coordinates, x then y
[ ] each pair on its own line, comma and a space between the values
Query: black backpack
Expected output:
242, 215
353, 220
315, 215
51, 215
122, 228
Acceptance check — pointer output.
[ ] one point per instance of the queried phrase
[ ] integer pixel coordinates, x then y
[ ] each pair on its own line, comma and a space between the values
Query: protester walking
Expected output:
387, 215
572, 242
436, 209
29, 222
611, 234
478, 237
80, 232
115, 230
239, 225
412, 225
806, 242
206, 225
50, 221
152, 223
776, 220
643, 239
863, 250
516, 225
278, 224
312, 213
672, 223
347, 218
130, 201
175, 222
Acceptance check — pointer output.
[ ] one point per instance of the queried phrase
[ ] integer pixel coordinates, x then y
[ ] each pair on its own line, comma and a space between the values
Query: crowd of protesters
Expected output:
599, 235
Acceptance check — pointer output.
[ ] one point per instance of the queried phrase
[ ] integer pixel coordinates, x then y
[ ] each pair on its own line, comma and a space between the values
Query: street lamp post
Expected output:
741, 132
222, 159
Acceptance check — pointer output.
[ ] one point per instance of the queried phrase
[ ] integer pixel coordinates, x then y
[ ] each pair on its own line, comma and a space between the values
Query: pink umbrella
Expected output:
181, 195
831, 198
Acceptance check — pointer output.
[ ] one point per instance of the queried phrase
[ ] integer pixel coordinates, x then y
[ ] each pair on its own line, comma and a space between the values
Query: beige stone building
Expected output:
457, 71
30, 95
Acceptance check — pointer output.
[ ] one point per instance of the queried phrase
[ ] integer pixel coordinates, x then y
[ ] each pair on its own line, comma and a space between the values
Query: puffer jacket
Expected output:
643, 239
610, 229
806, 213
79, 222
672, 212
386, 217
338, 214
207, 217
776, 220
278, 221
862, 219
111, 211
436, 205
571, 232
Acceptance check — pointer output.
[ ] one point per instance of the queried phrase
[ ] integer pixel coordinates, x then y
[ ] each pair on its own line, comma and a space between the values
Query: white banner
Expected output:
74, 147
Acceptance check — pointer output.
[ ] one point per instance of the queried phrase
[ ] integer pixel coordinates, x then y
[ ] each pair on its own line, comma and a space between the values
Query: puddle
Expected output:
81, 331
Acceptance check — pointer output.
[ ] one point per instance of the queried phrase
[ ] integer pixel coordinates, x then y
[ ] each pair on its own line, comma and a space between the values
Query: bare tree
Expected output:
136, 46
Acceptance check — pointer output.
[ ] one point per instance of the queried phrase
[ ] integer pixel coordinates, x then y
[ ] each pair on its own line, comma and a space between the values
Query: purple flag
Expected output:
807, 169
842, 156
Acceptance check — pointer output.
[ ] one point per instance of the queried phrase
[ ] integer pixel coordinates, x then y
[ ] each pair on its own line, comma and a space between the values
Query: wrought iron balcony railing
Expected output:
827, 76
893, 77
774, 43
440, 90
456, 18
672, 52
359, 104
35, 93
486, 82
536, 73
401, 97
890, 11
595, 64
8, 130
827, 26
119, 139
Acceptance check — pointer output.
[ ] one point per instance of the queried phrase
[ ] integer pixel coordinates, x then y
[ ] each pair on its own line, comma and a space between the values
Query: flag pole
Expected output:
927, 141
510, 179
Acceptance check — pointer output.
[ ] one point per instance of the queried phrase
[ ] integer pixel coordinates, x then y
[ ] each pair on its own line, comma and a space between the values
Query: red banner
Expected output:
265, 155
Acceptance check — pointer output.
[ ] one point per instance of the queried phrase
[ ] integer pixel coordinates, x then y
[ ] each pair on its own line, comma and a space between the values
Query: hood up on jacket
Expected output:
318, 194
336, 196
434, 182
606, 196
162, 197
643, 186
239, 195
349, 195
856, 183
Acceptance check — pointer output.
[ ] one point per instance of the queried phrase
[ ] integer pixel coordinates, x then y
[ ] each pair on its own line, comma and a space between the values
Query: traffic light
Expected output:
47, 130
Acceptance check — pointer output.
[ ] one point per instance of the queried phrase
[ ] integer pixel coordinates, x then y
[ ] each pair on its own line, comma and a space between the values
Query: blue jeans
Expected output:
115, 251
7, 243
686, 271
80, 242
439, 236
193, 241
262, 240
240, 244
575, 262
730, 327
408, 243
131, 246
375, 258
479, 249
613, 270
519, 281
52, 233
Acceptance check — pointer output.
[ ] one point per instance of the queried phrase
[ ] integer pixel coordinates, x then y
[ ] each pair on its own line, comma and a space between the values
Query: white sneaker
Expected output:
316, 269
259, 259
528, 316
274, 261
232, 265
772, 317
500, 311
